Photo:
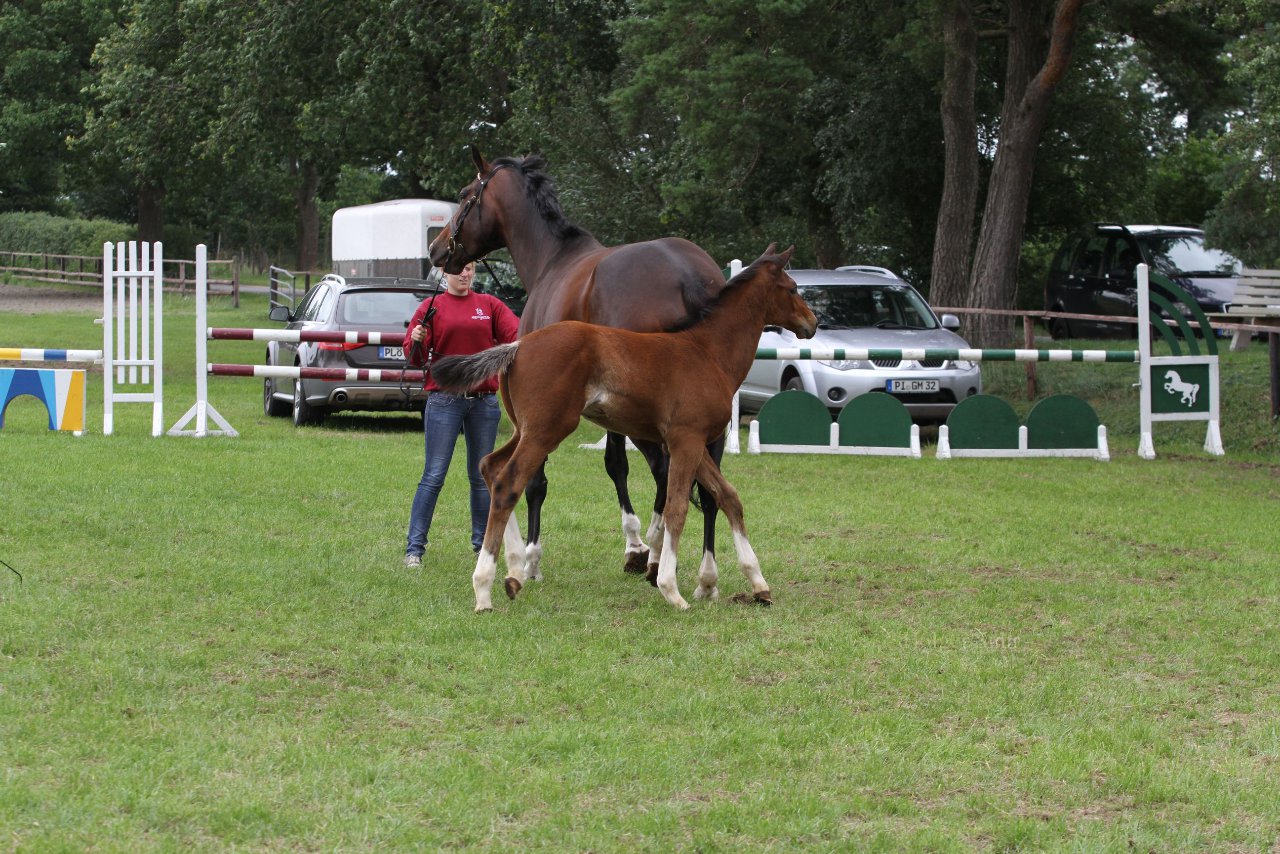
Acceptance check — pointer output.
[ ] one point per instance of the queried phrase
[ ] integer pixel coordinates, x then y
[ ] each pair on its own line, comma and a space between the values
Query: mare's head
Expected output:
490, 204
782, 301
476, 227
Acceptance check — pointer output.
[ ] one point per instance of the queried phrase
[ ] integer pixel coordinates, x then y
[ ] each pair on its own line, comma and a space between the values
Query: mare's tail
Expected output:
460, 374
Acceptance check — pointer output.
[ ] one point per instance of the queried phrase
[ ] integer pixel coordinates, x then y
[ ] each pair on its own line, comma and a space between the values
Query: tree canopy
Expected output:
955, 141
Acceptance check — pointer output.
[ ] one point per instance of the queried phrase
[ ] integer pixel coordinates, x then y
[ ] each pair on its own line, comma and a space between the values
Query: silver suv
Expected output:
867, 307
338, 304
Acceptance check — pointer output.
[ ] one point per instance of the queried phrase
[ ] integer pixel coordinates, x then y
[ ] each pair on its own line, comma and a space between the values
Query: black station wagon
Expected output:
1094, 272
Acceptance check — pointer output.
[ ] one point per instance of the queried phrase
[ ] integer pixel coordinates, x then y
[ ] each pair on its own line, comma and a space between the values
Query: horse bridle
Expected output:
453, 244
470, 203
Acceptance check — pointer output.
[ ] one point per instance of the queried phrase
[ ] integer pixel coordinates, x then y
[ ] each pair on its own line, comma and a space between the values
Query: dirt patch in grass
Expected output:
37, 299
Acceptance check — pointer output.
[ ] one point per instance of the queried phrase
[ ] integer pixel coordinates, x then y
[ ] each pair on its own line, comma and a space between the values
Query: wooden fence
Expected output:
179, 273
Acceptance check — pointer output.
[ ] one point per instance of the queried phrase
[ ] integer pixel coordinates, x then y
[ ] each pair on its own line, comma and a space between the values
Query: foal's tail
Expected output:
460, 374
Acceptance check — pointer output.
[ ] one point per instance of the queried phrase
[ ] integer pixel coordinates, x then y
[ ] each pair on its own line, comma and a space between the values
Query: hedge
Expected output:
55, 235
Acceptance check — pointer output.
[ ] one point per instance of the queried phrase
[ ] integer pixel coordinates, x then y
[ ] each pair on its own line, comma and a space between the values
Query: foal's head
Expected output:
782, 302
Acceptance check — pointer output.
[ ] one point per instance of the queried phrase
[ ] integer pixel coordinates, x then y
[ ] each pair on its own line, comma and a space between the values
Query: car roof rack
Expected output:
867, 268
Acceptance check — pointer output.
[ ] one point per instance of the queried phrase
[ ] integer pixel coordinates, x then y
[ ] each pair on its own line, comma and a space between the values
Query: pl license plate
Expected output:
911, 386
396, 353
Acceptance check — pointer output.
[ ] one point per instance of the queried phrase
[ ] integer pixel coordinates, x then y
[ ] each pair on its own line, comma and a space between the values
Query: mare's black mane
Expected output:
542, 193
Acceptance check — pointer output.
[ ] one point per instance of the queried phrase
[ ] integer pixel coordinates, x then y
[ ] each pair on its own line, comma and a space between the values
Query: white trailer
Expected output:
388, 238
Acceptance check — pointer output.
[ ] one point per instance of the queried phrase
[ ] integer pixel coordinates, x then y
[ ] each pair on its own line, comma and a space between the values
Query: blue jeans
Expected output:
445, 416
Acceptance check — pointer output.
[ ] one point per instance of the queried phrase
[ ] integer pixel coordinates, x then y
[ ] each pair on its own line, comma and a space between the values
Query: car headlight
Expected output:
963, 365
843, 364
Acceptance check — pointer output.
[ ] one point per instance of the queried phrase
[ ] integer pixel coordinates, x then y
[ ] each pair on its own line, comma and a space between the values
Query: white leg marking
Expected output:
667, 573
655, 529
482, 579
515, 549
708, 575
657, 539
749, 563
631, 530
533, 561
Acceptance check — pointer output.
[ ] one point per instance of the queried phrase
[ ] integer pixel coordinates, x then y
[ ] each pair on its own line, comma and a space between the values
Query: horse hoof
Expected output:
484, 610
764, 597
652, 575
513, 586
637, 562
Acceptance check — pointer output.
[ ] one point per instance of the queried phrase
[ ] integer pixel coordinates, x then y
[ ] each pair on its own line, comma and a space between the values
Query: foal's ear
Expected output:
785, 257
477, 158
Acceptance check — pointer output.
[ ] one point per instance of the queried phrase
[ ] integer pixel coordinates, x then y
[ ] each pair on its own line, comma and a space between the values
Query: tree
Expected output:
149, 110
718, 99
1247, 219
426, 81
45, 50
1034, 67
285, 102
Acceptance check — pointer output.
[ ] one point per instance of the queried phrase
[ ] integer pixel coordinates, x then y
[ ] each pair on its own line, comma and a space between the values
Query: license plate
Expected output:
396, 353
911, 386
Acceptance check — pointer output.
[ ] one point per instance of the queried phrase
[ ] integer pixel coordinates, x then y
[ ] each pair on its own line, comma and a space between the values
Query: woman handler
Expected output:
455, 322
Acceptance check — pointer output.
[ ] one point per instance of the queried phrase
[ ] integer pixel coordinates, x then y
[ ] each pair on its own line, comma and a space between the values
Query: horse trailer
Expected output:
388, 238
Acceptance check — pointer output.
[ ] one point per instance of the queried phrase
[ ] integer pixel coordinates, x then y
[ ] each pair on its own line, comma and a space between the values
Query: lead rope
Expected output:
492, 275
416, 347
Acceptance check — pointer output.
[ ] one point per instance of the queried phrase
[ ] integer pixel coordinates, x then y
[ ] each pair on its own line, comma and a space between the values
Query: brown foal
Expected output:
672, 388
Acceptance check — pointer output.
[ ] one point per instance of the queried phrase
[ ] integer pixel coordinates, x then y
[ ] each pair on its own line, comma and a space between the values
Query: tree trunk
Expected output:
953, 236
151, 211
993, 283
304, 195
827, 247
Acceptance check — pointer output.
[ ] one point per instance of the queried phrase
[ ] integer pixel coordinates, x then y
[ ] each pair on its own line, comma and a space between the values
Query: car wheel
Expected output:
793, 383
1059, 329
272, 407
304, 414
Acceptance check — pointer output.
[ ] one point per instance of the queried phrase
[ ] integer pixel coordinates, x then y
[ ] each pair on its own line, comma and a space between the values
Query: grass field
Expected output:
213, 645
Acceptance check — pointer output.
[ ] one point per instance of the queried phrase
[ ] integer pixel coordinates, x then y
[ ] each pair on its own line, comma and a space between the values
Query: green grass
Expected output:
213, 645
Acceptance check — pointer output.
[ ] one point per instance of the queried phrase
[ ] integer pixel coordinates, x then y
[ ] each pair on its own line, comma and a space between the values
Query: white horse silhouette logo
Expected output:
1174, 385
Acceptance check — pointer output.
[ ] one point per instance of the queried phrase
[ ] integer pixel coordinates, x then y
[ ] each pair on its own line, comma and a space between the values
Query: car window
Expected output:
1172, 254
1088, 260
1122, 257
379, 308
312, 303
847, 307
1062, 261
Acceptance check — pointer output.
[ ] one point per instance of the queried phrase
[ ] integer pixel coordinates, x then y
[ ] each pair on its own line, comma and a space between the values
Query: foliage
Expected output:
716, 96
54, 235
1246, 219
44, 66
733, 122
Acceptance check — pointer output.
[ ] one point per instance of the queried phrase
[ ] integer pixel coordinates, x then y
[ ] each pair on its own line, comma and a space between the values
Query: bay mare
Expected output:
671, 389
569, 275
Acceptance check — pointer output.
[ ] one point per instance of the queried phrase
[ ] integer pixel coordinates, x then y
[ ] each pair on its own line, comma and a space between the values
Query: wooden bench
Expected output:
1257, 303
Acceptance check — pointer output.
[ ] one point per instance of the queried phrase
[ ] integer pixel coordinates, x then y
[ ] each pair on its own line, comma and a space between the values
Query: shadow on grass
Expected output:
374, 422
